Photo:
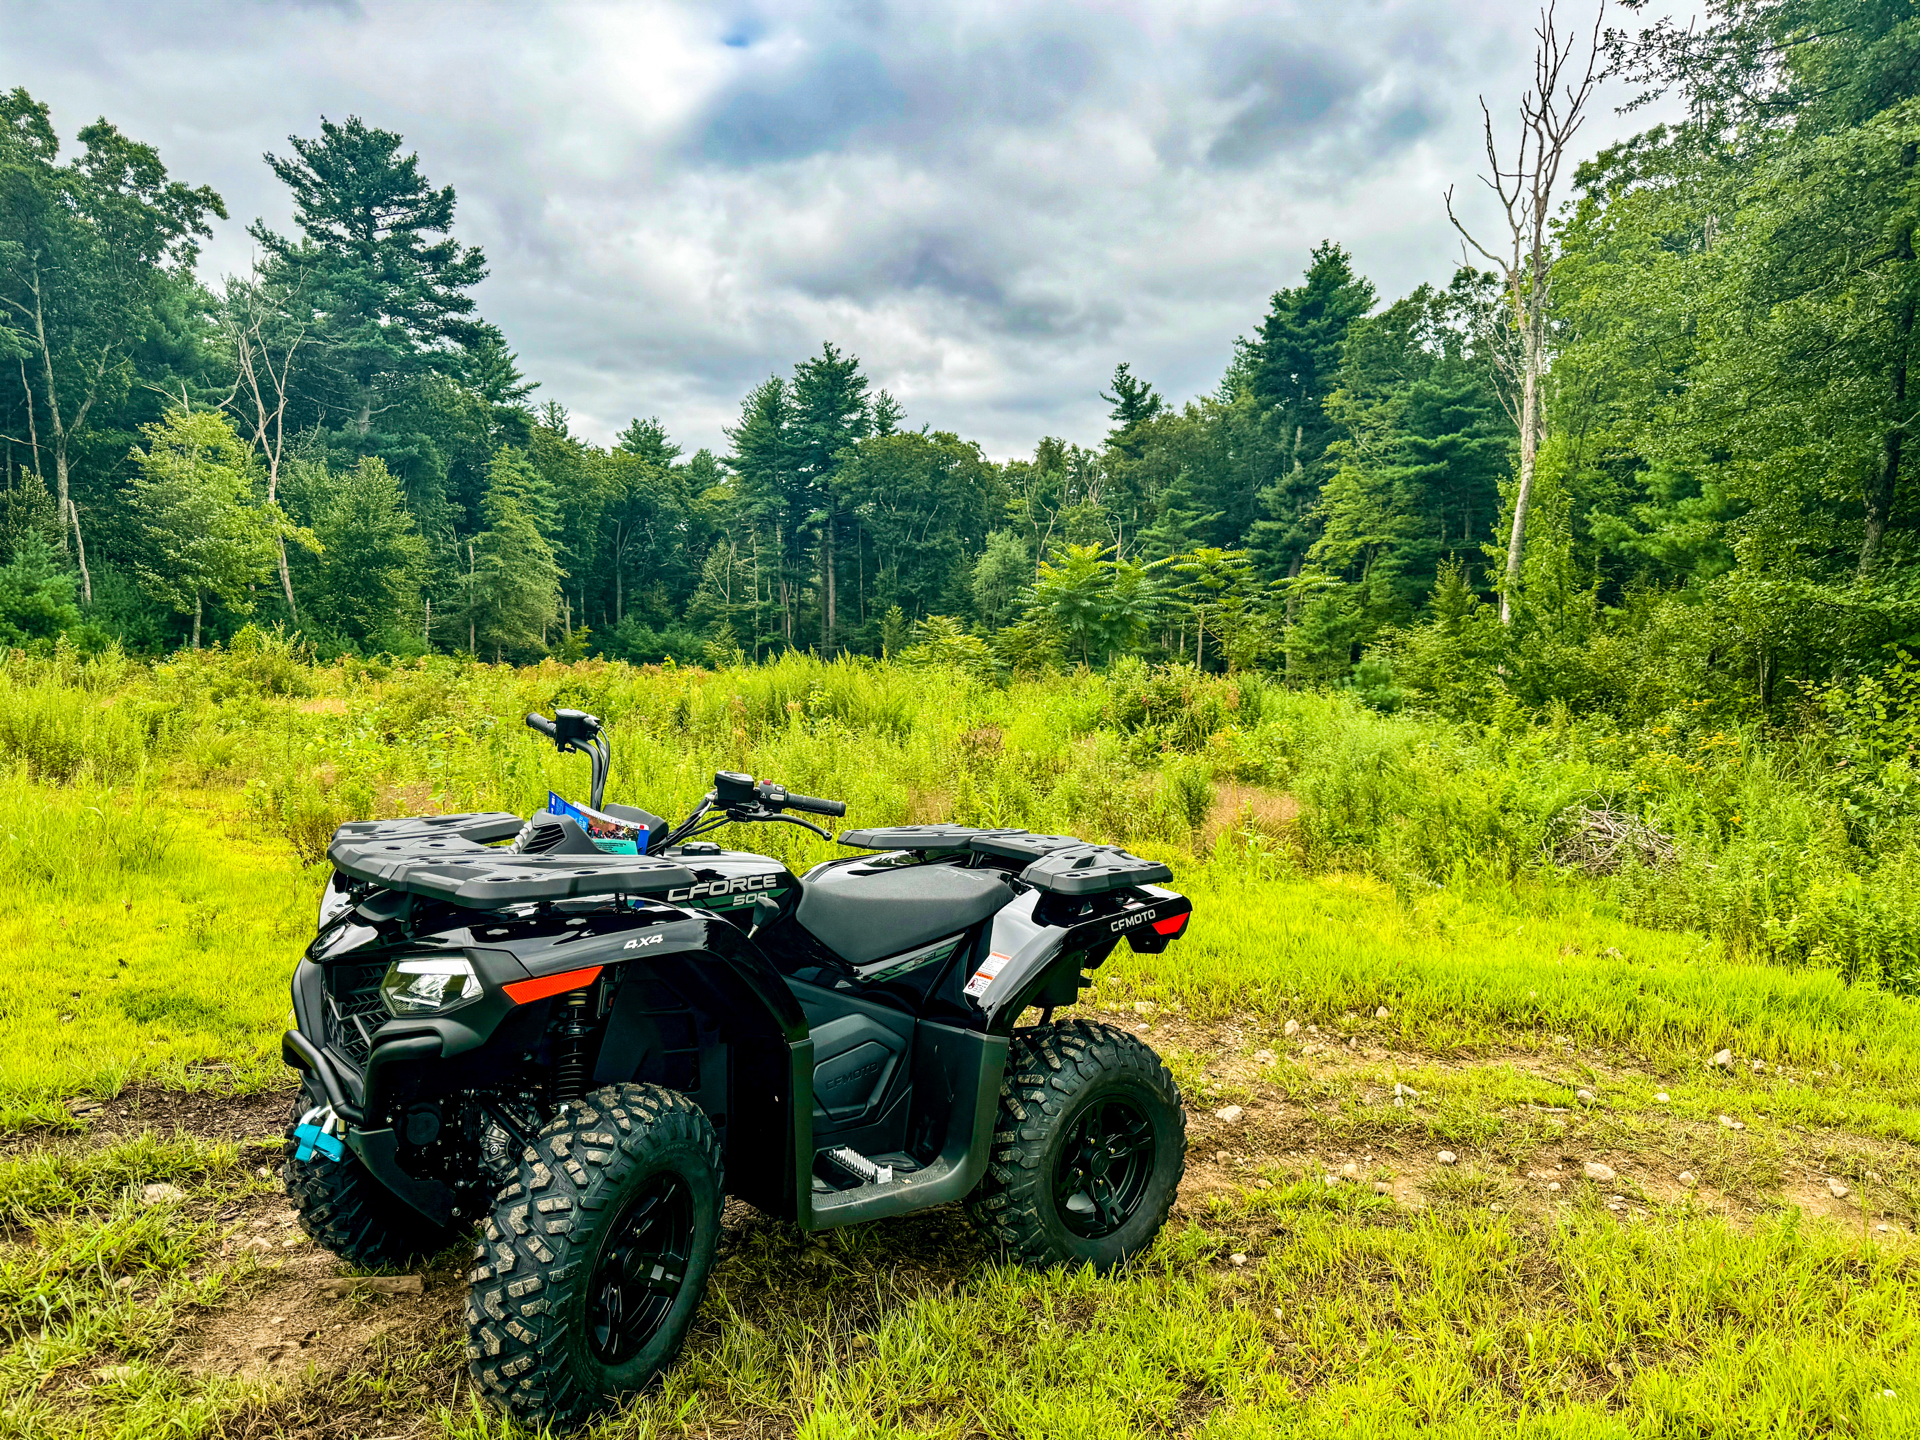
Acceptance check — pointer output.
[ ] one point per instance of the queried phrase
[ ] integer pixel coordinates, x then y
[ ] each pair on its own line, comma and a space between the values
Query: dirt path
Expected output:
1266, 1110
1365, 1129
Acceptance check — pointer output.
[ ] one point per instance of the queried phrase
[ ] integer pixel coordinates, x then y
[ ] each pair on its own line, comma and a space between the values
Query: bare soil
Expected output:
208, 1115
281, 1325
283, 1322
1273, 1134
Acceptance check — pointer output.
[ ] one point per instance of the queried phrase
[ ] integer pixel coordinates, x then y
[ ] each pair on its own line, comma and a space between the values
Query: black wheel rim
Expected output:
1104, 1167
641, 1269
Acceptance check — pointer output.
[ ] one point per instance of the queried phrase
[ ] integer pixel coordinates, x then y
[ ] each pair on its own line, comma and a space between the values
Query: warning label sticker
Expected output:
991, 967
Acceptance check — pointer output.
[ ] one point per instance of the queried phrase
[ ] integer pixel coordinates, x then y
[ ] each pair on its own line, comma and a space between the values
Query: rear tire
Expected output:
593, 1263
348, 1212
1089, 1147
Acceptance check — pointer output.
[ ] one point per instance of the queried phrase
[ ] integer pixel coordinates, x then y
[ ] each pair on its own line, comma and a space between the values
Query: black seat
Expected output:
861, 914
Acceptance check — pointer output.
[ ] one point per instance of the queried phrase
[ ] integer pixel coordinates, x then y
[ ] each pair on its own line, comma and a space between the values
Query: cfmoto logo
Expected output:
859, 1073
732, 885
1139, 918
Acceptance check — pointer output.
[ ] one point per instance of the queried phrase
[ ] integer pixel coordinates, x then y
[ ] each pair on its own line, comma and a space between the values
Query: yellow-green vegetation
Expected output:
163, 828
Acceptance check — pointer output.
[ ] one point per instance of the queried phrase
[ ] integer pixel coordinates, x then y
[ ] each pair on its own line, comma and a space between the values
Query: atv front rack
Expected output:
444, 858
1060, 865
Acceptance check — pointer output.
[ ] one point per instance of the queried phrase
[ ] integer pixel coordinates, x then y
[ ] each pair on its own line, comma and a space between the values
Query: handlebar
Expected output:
738, 797
573, 730
815, 805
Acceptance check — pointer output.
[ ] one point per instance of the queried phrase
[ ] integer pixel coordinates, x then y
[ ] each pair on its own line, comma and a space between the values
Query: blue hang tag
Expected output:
609, 833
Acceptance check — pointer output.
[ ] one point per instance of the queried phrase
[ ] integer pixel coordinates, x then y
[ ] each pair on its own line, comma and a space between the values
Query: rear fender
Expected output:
1039, 947
1025, 956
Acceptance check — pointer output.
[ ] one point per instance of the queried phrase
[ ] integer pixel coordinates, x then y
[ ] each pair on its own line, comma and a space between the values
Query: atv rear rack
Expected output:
1060, 865
442, 858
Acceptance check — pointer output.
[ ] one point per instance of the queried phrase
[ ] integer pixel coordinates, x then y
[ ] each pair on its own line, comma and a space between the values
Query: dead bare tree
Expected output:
266, 328
95, 370
1550, 113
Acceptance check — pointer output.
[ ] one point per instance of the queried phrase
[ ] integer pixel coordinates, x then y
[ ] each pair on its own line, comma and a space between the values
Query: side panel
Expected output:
1041, 944
957, 1086
718, 1022
1027, 956
862, 1068
731, 881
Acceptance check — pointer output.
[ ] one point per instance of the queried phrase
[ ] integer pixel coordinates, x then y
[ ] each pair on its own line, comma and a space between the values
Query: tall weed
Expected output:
1794, 849
69, 841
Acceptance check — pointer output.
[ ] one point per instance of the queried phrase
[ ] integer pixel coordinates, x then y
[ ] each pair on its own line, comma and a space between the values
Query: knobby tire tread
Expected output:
538, 1239
1048, 1069
348, 1212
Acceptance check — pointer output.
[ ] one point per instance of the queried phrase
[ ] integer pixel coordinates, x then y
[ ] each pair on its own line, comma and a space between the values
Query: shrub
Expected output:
1793, 848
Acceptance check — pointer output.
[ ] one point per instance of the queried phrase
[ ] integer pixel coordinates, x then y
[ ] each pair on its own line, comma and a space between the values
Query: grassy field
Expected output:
160, 828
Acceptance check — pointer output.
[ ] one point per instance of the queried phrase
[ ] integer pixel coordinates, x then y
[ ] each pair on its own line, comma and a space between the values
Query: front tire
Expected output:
347, 1211
593, 1263
1089, 1147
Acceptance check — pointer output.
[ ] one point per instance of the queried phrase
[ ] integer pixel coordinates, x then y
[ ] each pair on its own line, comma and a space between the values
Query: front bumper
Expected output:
335, 1084
378, 1147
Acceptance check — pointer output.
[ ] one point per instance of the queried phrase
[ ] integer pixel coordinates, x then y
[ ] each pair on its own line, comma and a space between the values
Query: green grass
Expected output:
1345, 1321
1532, 963
68, 1176
159, 828
150, 939
1350, 1317
91, 1274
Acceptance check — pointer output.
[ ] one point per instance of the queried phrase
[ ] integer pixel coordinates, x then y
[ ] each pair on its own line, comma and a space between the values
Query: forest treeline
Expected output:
1722, 504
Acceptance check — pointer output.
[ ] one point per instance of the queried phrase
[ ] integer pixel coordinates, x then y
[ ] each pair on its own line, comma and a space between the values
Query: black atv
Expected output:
509, 1025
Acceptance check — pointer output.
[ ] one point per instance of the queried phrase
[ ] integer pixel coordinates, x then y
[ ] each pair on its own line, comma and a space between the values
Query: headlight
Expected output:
333, 901
341, 939
422, 985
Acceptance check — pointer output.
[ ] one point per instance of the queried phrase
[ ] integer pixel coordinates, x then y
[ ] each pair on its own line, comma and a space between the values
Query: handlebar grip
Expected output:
815, 804
540, 723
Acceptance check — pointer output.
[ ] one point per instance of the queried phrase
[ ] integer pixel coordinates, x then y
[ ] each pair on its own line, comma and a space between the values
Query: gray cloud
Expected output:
820, 104
990, 203
1281, 91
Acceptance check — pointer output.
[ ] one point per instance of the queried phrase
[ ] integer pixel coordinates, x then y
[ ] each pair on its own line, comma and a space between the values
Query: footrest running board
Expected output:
868, 1173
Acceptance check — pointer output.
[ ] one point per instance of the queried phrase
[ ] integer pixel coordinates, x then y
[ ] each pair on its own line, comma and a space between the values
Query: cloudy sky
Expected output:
991, 204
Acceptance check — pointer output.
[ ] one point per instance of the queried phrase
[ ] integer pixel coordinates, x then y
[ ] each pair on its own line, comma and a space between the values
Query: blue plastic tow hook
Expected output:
319, 1130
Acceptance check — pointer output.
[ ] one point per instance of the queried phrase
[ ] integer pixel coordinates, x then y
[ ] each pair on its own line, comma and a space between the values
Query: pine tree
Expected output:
1291, 370
1002, 571
36, 594
367, 581
1135, 403
513, 576
493, 371
391, 298
648, 440
830, 414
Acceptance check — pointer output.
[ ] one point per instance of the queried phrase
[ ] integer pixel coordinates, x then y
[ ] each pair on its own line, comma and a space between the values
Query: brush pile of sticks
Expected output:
1599, 841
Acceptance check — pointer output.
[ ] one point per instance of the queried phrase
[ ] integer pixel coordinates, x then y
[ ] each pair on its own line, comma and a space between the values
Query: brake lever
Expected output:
809, 825
741, 815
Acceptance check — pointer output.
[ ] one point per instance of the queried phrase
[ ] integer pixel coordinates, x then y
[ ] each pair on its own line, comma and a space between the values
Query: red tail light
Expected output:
541, 987
1173, 925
